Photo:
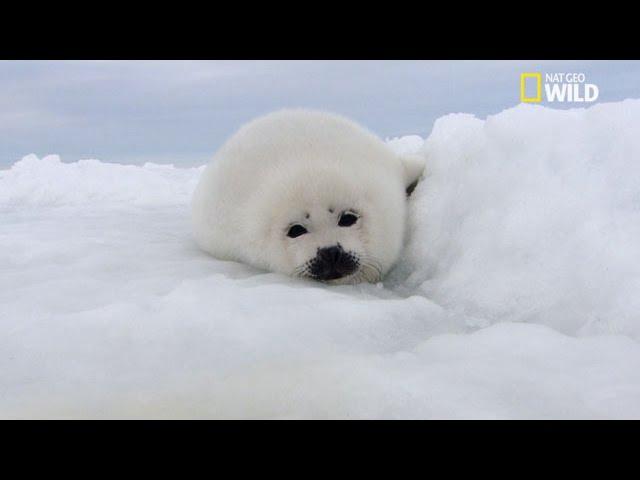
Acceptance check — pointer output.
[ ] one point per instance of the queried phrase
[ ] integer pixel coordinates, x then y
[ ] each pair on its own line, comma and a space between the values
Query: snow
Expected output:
518, 295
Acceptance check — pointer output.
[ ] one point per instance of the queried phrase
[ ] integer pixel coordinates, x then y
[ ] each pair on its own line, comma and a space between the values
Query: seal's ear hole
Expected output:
296, 230
412, 186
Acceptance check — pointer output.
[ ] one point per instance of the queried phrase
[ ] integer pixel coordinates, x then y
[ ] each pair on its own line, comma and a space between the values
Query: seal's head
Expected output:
334, 223
307, 194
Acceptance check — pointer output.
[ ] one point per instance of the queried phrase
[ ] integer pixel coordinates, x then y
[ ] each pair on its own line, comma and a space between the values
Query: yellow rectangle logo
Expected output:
523, 90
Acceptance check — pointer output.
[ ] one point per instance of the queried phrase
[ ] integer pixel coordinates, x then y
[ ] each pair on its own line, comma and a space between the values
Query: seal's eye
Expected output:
296, 230
347, 219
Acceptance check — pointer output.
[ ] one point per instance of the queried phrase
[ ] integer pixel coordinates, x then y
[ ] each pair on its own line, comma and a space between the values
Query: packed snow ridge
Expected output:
518, 295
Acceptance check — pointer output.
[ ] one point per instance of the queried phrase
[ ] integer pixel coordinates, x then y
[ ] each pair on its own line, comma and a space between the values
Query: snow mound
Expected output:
533, 215
517, 296
49, 181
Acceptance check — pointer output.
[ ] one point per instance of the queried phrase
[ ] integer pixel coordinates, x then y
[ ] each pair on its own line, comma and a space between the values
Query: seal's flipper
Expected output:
414, 165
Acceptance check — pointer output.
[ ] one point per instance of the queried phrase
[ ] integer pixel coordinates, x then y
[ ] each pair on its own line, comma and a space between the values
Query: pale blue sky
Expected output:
181, 111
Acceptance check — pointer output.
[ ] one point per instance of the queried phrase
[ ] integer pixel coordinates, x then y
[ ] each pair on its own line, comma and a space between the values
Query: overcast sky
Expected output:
181, 111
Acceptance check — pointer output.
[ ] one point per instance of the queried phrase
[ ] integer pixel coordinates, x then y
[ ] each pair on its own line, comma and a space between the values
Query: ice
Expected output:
407, 144
518, 295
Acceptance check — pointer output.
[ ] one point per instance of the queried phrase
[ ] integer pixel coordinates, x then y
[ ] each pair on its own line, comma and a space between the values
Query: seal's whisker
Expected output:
300, 271
370, 270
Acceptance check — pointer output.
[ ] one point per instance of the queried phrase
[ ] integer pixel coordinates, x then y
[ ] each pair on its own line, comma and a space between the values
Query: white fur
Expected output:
278, 168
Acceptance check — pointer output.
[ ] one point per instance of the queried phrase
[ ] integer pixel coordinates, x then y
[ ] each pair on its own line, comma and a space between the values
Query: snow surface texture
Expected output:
518, 295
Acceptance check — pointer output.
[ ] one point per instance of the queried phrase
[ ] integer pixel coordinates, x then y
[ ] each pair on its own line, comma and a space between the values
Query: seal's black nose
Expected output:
332, 263
331, 255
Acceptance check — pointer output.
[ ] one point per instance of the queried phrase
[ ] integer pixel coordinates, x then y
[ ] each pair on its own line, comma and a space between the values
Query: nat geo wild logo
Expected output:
558, 87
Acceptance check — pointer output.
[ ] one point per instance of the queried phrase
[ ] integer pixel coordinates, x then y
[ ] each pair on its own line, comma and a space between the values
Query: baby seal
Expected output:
308, 194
